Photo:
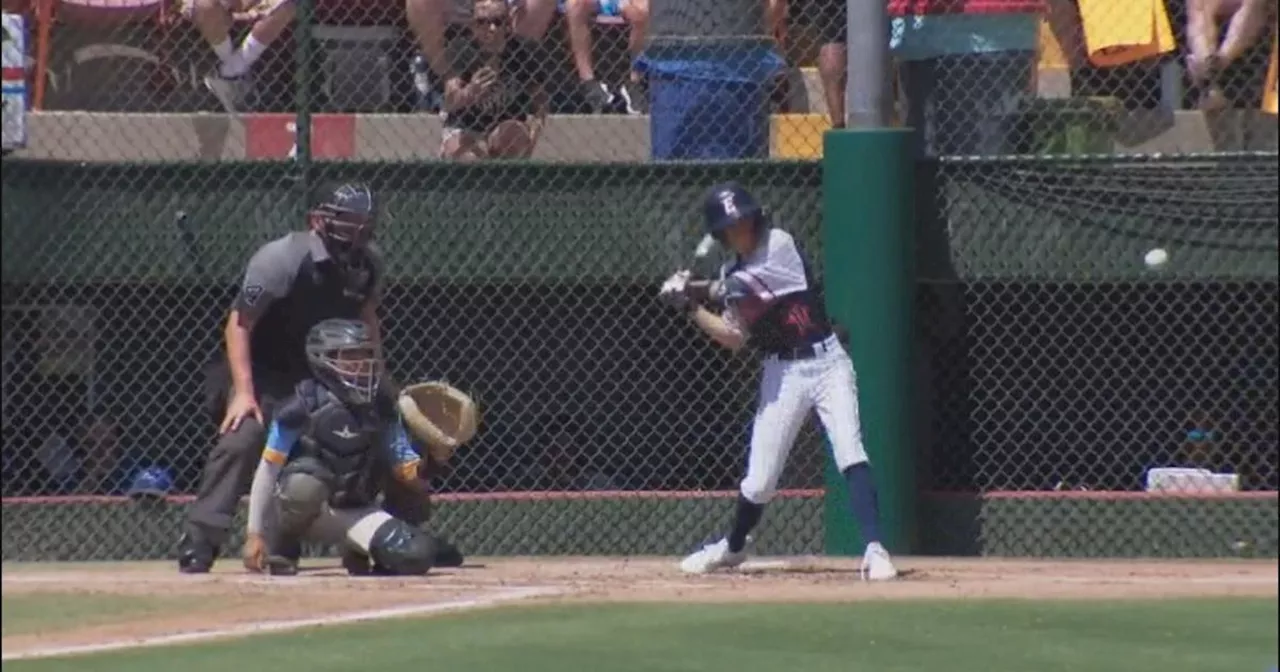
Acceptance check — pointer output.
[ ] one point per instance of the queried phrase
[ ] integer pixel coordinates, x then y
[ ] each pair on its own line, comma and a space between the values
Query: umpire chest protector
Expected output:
339, 445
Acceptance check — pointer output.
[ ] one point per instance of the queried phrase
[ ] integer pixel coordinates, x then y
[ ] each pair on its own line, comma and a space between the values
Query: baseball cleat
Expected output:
447, 555
356, 563
195, 554
712, 557
278, 565
876, 564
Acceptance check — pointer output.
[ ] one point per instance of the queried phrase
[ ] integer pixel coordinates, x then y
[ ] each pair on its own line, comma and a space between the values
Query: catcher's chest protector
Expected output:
343, 441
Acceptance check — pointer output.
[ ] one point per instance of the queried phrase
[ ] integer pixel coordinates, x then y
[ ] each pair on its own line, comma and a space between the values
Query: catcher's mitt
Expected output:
440, 415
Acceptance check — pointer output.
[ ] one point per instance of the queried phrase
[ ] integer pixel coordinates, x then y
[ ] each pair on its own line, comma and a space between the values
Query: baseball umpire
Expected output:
331, 270
327, 453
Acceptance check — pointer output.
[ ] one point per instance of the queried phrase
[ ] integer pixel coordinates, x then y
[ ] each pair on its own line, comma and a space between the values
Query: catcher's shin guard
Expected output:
396, 548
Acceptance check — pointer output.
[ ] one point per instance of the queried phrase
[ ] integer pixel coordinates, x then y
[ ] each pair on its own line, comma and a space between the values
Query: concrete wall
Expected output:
106, 136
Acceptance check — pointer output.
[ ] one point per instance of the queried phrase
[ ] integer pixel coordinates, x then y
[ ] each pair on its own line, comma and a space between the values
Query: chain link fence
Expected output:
1056, 369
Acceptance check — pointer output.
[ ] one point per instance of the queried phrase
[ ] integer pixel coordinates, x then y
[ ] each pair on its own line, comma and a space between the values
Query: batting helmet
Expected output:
726, 204
344, 215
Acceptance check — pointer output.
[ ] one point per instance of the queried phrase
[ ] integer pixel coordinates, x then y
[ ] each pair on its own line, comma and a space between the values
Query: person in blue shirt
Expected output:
327, 450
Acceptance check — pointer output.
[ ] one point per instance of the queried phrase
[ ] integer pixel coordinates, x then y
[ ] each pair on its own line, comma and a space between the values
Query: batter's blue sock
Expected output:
744, 520
863, 500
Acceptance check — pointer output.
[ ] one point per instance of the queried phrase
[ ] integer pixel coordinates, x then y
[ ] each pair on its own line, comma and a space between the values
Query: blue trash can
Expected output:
709, 103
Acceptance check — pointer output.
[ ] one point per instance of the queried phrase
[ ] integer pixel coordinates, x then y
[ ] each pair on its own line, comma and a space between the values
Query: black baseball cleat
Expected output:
356, 563
279, 565
282, 559
447, 555
195, 553
598, 97
359, 564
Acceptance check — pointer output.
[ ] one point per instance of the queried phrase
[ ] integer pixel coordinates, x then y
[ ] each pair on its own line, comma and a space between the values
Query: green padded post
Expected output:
867, 234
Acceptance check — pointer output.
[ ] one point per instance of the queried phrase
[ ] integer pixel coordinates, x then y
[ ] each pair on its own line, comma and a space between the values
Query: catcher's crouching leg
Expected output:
414, 507
300, 502
397, 548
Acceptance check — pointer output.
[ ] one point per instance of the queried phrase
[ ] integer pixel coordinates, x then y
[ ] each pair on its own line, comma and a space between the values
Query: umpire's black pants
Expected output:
228, 470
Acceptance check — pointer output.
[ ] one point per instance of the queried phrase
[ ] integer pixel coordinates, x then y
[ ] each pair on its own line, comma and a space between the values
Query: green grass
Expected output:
956, 636
42, 612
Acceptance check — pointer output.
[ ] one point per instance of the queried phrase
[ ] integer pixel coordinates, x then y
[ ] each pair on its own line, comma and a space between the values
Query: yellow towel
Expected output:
1270, 94
1123, 31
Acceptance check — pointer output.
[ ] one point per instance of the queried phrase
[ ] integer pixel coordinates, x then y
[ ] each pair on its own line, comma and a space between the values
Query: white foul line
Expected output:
262, 627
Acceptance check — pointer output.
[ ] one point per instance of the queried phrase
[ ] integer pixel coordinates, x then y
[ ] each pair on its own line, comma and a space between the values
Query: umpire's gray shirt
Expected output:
292, 283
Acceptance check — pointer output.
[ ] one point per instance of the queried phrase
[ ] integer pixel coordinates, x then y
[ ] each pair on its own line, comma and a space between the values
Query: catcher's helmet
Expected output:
345, 216
344, 358
728, 203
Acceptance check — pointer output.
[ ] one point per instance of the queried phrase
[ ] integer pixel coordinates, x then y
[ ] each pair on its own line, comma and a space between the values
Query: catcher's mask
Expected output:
345, 218
344, 359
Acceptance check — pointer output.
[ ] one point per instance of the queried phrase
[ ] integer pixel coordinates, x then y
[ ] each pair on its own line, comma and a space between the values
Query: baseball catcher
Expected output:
328, 448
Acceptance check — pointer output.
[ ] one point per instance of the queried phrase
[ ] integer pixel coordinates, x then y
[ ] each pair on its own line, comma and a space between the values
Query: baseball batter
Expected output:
772, 304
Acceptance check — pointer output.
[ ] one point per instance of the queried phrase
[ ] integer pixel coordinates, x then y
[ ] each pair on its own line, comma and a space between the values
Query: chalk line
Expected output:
263, 627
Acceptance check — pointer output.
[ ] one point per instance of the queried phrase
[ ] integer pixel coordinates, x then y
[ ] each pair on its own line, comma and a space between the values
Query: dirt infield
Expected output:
229, 600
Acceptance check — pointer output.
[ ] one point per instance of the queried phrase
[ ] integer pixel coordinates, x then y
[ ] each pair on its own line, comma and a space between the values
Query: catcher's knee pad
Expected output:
400, 548
301, 499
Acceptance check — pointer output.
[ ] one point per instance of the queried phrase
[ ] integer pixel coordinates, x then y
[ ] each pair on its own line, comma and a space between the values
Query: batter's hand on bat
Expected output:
673, 290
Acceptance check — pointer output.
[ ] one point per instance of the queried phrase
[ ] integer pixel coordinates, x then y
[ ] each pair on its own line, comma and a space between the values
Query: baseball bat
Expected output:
704, 247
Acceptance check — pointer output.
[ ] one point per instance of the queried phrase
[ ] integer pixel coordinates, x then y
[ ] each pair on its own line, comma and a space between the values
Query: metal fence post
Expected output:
867, 100
304, 65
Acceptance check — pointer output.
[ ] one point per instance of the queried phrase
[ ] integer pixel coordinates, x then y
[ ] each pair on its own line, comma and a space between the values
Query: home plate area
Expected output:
233, 603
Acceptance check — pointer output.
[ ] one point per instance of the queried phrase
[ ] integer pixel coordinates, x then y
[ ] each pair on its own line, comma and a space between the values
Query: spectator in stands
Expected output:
214, 19
429, 20
964, 74
1210, 53
496, 106
831, 21
964, 67
628, 97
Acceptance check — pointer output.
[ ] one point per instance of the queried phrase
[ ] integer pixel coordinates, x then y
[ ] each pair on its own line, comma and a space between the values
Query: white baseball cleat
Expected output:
712, 557
876, 564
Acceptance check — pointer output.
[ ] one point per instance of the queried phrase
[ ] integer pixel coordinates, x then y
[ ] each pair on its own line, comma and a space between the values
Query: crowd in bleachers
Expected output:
973, 55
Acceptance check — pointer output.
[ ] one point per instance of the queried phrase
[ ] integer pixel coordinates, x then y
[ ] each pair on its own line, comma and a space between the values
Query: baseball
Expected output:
1156, 258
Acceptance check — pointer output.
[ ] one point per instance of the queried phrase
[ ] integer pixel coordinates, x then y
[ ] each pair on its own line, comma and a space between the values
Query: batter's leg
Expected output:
226, 478
835, 397
784, 404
